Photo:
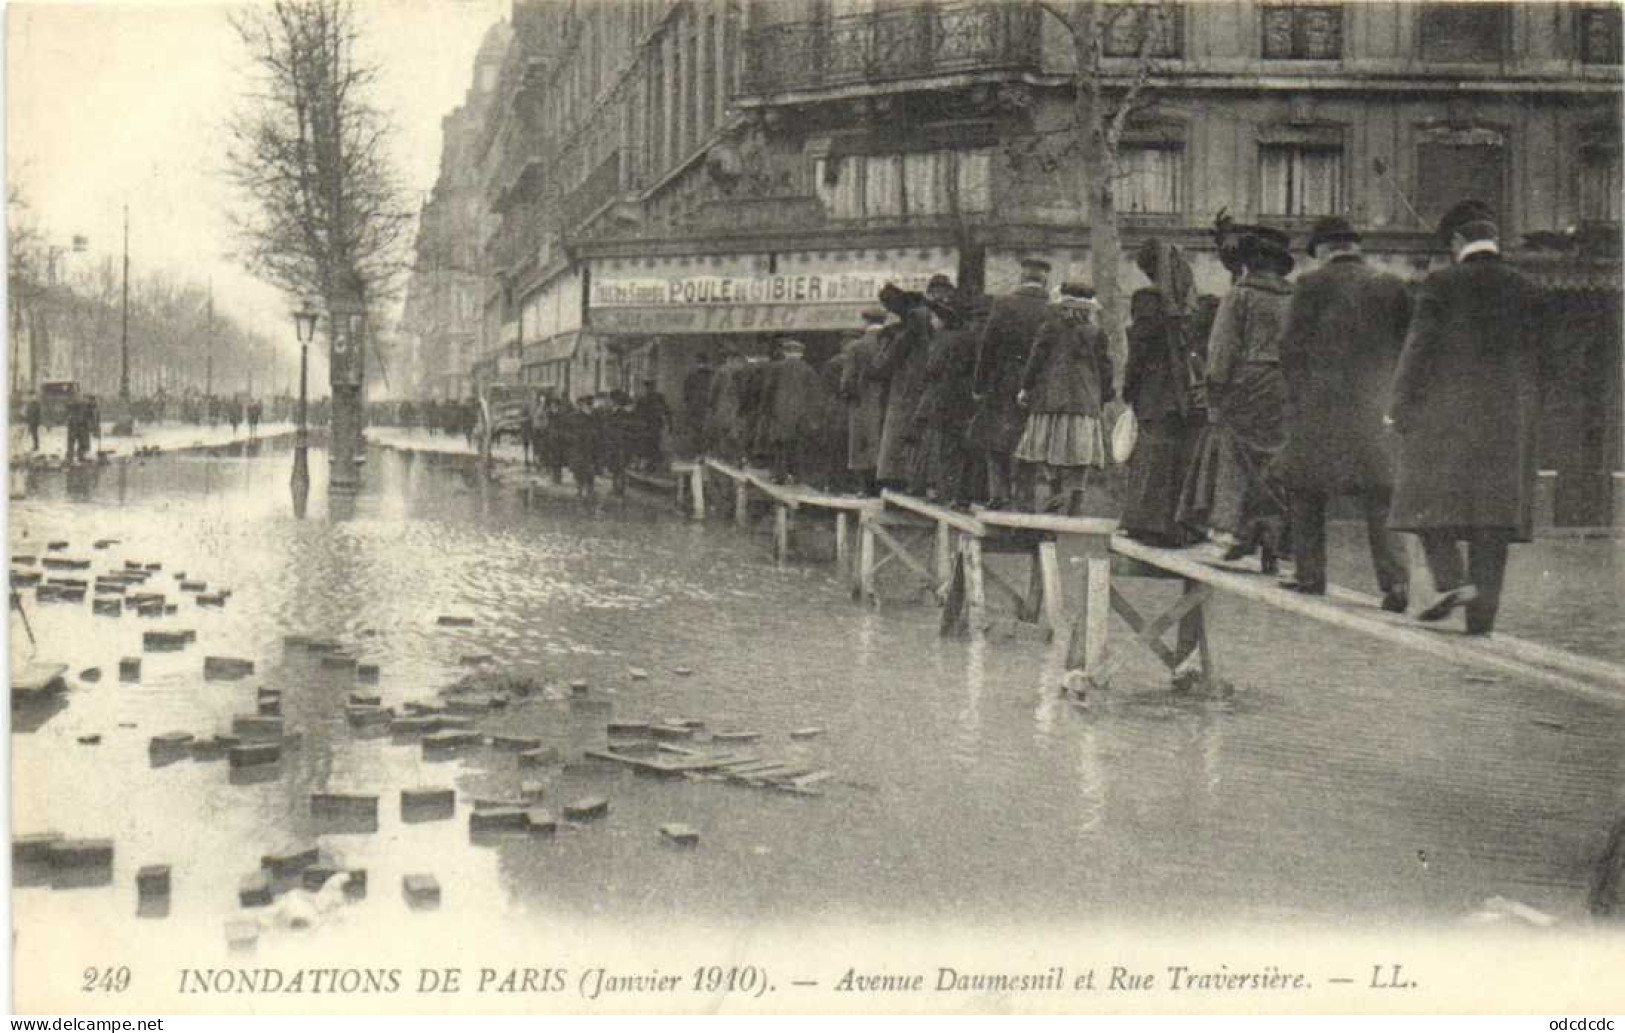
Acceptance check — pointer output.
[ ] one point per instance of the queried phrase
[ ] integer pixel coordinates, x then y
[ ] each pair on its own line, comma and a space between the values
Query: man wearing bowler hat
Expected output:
996, 429
1465, 404
1344, 331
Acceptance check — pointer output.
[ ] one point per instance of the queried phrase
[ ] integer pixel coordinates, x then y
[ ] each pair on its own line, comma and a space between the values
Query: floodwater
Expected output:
1343, 783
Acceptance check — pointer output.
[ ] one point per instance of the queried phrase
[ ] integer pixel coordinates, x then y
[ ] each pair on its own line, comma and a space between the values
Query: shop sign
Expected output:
743, 304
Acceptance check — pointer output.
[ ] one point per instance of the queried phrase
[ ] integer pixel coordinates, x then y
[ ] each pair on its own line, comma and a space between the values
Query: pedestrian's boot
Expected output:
1441, 607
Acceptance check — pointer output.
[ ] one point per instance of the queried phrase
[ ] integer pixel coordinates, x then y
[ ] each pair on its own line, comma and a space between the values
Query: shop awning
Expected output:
559, 348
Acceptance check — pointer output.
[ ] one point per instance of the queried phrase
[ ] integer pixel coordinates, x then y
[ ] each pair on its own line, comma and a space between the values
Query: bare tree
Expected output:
1107, 97
323, 213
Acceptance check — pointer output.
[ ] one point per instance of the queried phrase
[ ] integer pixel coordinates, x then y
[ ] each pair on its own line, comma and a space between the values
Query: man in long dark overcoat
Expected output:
794, 409
1465, 404
1344, 332
996, 429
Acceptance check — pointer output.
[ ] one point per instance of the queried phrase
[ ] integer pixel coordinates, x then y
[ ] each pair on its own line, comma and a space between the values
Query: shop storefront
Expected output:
661, 316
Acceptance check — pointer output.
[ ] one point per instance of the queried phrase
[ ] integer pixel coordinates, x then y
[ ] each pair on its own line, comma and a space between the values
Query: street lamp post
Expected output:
305, 325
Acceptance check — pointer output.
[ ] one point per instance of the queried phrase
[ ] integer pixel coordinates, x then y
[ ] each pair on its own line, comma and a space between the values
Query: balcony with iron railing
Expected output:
893, 44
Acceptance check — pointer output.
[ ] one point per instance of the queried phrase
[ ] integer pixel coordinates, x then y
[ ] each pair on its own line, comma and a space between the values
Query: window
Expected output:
1300, 179
1129, 25
1461, 165
1600, 184
1312, 32
924, 183
1600, 35
1151, 178
1462, 31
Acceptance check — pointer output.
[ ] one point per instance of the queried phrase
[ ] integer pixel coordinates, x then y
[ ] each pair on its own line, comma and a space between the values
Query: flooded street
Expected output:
1342, 780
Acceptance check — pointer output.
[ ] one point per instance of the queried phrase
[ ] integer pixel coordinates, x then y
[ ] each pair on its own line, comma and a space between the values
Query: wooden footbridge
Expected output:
944, 552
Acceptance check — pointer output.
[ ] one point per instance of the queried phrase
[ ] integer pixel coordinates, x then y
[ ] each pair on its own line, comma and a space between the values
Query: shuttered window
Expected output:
1299, 179
1600, 184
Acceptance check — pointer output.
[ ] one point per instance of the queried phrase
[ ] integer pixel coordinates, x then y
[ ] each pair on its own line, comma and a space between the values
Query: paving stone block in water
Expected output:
680, 834
637, 674
421, 708
476, 660
498, 819
270, 707
338, 661
587, 808
366, 699
516, 743
254, 890
540, 822
579, 688
366, 673
253, 754
670, 731
457, 722
292, 858
226, 668
628, 728
539, 758
422, 891
468, 704
449, 740
428, 803
258, 726
170, 742
194, 586
356, 888
242, 937
107, 608
414, 725
344, 805
295, 641
34, 847
217, 745
265, 694
152, 883
81, 853
806, 733
453, 621
532, 791
91, 674
316, 876
371, 715
129, 669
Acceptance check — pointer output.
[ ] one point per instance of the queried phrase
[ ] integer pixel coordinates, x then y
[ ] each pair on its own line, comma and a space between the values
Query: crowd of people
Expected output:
1252, 411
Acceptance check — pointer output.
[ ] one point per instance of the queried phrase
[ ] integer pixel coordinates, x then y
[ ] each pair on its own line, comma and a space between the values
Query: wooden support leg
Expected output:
741, 504
945, 557
970, 551
1192, 629
841, 547
696, 487
1087, 650
866, 561
1053, 607
954, 621
1032, 605
781, 533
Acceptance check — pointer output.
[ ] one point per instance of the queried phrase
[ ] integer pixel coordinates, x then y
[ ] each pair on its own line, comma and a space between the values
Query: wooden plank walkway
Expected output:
945, 550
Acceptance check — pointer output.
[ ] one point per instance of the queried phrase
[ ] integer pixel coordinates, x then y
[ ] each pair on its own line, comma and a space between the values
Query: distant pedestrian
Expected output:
1344, 331
696, 399
795, 405
255, 411
865, 398
1466, 404
652, 416
581, 434
34, 415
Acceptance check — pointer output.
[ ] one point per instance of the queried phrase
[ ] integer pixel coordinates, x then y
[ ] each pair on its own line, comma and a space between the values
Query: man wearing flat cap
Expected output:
996, 429
1465, 403
1344, 331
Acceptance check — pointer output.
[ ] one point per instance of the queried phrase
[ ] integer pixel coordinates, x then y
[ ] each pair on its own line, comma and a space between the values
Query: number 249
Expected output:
107, 980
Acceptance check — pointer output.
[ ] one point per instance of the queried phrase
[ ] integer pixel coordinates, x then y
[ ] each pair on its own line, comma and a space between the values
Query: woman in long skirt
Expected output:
1067, 379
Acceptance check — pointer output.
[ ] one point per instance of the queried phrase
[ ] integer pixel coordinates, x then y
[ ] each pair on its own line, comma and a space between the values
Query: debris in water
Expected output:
586, 809
226, 668
129, 669
450, 621
682, 672
91, 674
1480, 679
498, 819
637, 674
90, 740
252, 754
428, 803
806, 733
422, 891
680, 834
254, 890
1556, 726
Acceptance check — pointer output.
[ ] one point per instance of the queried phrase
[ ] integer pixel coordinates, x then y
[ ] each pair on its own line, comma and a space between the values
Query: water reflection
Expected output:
948, 782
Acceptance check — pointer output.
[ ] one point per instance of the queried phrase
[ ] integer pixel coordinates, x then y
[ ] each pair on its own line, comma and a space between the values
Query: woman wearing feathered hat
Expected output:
1231, 491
